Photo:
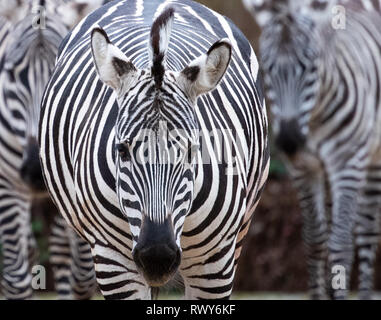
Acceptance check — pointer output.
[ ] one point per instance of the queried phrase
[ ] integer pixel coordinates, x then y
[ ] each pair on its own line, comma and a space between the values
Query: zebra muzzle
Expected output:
156, 254
290, 139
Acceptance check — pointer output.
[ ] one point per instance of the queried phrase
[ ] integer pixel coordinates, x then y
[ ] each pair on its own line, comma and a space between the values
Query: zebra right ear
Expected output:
113, 67
204, 73
264, 10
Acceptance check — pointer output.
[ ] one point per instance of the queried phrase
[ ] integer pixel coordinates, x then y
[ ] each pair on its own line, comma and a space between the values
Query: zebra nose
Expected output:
30, 171
290, 139
158, 263
156, 254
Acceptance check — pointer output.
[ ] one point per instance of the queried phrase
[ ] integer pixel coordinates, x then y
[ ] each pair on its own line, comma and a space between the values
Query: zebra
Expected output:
28, 50
321, 62
130, 147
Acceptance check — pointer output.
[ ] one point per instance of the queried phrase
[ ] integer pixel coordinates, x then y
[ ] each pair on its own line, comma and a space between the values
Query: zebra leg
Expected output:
210, 276
117, 276
14, 232
72, 263
312, 195
83, 281
33, 253
341, 244
60, 258
367, 232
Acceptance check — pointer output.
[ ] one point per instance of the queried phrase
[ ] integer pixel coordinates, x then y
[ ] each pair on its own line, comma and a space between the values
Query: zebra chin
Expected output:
157, 282
156, 254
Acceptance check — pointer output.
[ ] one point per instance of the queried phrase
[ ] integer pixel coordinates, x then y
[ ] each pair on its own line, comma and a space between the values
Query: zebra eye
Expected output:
124, 152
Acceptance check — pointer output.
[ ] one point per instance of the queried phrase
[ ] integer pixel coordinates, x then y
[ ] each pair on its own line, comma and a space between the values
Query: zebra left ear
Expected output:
112, 65
205, 73
264, 11
14, 10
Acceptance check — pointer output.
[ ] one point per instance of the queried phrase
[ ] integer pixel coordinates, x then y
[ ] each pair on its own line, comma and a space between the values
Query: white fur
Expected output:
212, 69
103, 54
165, 35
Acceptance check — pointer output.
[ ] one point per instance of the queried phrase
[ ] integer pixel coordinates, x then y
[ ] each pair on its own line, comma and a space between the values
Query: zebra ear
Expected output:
204, 74
112, 65
14, 10
260, 10
263, 11
74, 11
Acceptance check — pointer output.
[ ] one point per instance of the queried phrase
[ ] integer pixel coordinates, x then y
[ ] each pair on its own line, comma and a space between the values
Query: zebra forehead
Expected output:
156, 119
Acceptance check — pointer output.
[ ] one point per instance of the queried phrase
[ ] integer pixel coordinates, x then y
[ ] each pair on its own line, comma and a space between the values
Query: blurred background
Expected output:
273, 257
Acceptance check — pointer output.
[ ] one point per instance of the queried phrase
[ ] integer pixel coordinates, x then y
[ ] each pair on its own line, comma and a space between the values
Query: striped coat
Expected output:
83, 145
321, 62
30, 34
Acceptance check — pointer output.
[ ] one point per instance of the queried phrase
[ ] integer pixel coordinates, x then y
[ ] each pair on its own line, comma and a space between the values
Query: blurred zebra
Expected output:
70, 12
125, 145
28, 45
321, 62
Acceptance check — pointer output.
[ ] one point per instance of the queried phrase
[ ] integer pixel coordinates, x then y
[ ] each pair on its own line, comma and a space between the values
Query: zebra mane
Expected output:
159, 42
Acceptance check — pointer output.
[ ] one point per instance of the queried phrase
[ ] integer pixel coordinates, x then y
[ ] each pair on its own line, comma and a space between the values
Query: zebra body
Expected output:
89, 145
324, 81
28, 48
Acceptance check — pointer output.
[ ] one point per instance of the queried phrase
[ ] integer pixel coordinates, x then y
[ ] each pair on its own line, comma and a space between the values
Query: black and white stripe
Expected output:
324, 79
135, 170
28, 49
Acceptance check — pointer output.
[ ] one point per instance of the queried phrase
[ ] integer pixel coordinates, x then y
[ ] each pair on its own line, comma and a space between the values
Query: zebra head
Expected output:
291, 56
157, 141
26, 66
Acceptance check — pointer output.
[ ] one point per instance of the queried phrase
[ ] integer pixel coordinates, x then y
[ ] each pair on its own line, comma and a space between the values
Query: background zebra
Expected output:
321, 66
144, 220
70, 12
28, 50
